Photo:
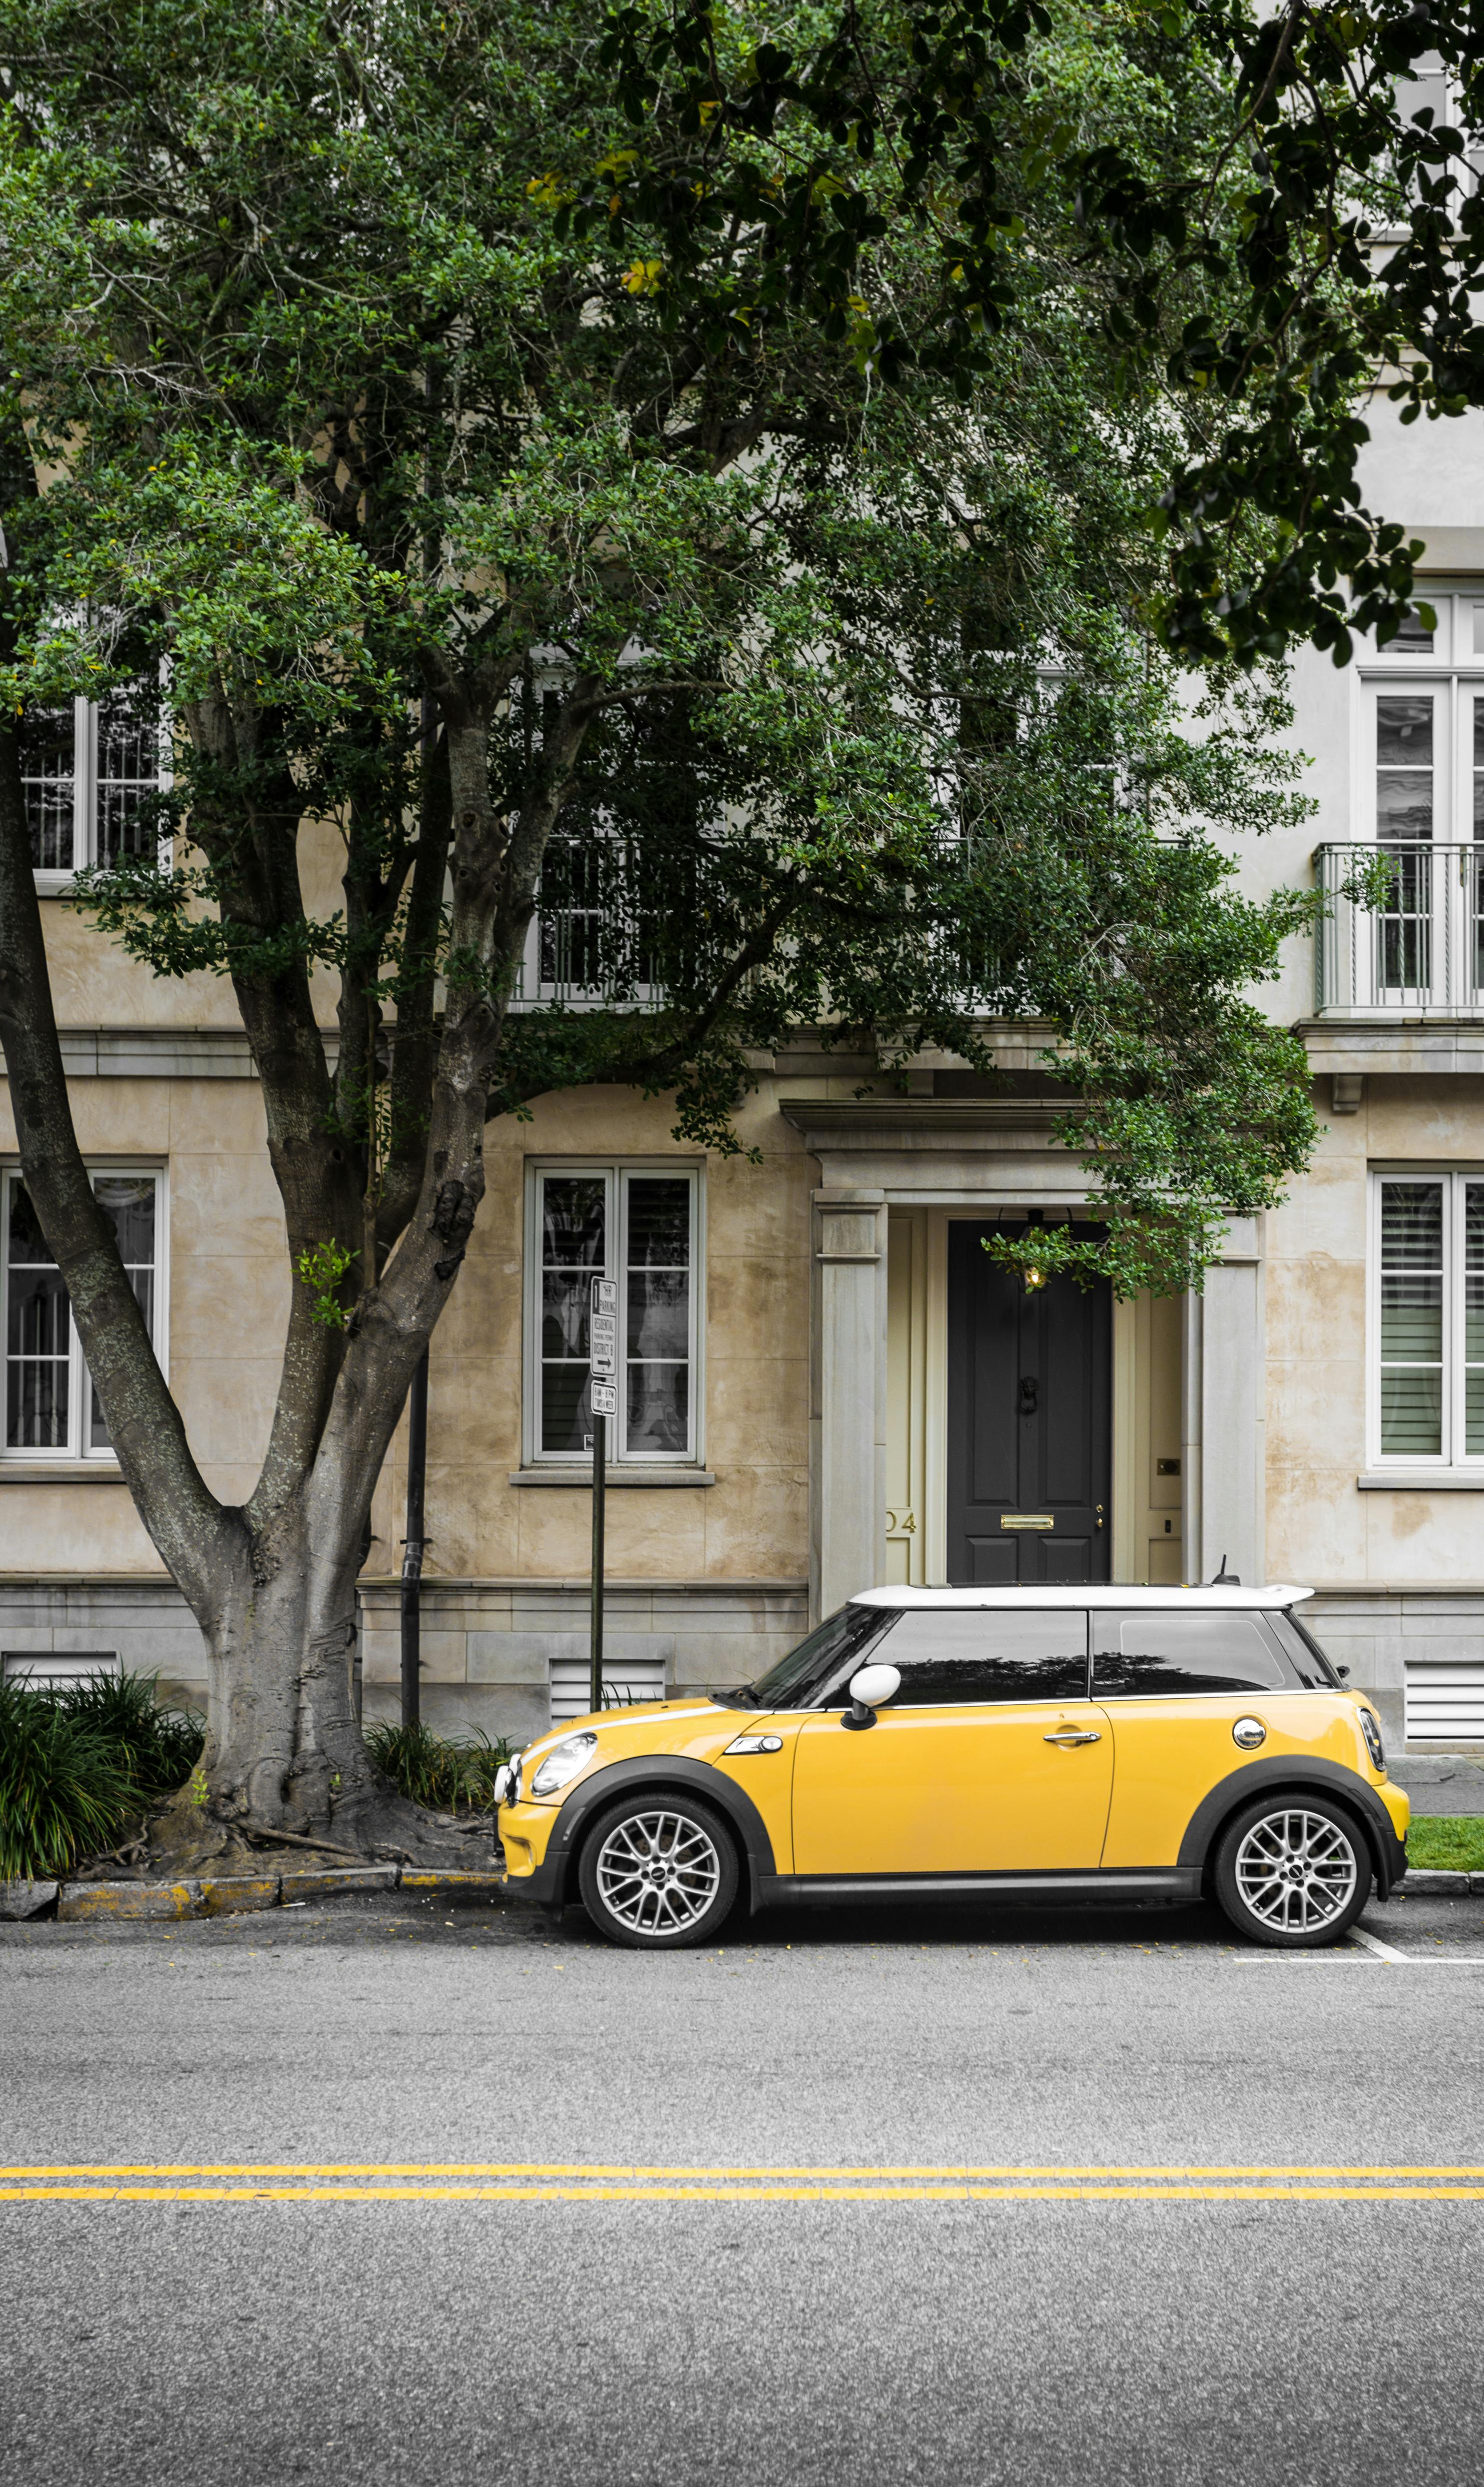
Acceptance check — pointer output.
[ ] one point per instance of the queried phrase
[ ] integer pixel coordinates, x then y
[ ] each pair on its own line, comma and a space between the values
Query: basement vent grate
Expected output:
625, 1680
1445, 1705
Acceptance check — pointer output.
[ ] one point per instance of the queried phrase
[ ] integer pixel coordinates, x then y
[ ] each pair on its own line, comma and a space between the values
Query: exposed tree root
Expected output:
184, 1839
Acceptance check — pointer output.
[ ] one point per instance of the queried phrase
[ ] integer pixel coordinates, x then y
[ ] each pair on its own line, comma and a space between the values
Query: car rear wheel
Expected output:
1293, 1871
659, 1873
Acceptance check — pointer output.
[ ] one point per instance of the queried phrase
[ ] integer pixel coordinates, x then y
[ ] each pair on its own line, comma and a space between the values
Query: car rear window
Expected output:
1139, 1654
1313, 1669
969, 1654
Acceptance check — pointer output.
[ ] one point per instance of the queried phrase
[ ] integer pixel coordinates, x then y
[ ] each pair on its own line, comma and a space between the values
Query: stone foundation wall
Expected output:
487, 1645
1381, 1631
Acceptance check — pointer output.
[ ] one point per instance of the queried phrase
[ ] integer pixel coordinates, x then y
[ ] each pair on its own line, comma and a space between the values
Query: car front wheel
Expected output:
1293, 1872
659, 1873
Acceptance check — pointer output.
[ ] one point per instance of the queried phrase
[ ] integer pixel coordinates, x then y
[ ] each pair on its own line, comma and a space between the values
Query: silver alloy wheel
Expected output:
657, 1873
1296, 1871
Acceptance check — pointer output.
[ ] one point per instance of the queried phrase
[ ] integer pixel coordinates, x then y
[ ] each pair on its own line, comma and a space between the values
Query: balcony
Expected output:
1419, 952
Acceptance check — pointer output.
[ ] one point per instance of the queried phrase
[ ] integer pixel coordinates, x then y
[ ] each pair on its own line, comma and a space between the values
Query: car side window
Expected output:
951, 1654
1170, 1652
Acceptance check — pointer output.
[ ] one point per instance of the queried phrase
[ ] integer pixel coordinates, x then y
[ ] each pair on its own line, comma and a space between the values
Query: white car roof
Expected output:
1117, 1593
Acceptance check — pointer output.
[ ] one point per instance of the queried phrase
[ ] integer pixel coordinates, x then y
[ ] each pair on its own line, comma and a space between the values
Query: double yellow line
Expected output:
582, 2181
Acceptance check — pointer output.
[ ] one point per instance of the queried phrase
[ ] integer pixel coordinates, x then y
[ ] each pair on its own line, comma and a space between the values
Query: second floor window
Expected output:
92, 772
51, 1409
1424, 730
639, 1224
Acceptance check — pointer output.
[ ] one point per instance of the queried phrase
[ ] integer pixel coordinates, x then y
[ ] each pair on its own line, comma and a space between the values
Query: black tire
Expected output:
658, 1872
1293, 1871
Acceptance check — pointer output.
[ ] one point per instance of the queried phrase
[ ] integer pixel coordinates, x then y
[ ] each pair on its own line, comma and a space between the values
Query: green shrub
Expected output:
63, 1789
452, 1772
158, 1747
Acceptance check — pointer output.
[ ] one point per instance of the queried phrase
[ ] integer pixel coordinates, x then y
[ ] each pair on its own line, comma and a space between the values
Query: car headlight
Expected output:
563, 1763
1370, 1726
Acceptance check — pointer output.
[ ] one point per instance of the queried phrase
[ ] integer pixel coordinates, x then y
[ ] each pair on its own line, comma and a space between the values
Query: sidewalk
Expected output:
1440, 1782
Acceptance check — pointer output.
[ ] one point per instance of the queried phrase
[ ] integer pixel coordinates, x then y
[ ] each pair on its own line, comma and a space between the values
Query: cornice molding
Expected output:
831, 1124
165, 1052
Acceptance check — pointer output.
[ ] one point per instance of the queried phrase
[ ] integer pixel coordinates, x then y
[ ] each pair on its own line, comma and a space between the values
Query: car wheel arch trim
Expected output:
1305, 1776
659, 1774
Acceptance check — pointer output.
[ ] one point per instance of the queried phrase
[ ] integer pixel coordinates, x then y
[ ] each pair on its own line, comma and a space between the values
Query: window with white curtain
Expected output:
93, 772
639, 1224
1427, 1319
51, 1409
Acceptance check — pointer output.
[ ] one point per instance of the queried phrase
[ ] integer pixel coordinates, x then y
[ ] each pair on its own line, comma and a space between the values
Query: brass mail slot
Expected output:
1027, 1519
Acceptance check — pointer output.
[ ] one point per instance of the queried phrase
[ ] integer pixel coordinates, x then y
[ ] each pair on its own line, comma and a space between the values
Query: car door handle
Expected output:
1075, 1735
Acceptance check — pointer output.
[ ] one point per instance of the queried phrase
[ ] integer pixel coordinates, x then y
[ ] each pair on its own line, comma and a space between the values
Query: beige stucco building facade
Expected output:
823, 1388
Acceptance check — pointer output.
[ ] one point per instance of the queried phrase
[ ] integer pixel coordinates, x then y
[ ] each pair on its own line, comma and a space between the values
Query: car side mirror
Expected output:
871, 1688
1343, 1672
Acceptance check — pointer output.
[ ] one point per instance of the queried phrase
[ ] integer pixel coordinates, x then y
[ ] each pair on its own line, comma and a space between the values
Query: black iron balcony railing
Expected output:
1403, 930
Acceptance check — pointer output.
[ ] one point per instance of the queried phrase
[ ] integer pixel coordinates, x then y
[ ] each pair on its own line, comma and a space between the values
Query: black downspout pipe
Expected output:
412, 1548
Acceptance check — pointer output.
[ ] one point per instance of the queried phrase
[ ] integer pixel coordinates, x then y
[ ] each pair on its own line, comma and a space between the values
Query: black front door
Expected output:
1029, 1421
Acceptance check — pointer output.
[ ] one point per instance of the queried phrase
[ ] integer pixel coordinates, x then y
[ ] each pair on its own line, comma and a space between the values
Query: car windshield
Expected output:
845, 1635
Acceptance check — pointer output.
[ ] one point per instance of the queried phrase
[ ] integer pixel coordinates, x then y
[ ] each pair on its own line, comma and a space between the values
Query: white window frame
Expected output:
1452, 1459
1453, 670
617, 1173
77, 1451
51, 881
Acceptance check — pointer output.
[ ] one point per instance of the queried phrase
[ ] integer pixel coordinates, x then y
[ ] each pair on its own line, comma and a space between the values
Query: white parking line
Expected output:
1378, 1950
1374, 1943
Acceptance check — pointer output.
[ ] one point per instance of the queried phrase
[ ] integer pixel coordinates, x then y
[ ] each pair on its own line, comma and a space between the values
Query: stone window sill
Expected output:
582, 1477
61, 1472
1433, 1481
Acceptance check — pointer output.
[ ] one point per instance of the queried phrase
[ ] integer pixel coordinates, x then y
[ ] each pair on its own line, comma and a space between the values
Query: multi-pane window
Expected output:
1428, 1318
592, 935
641, 1227
1424, 724
93, 776
1423, 804
51, 1409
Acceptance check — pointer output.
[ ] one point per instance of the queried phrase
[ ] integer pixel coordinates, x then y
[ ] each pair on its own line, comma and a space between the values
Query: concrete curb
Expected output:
223, 1895
317, 1885
115, 1900
27, 1899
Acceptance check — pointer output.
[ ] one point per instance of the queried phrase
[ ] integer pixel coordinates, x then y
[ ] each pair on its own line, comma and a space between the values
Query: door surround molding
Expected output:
977, 1157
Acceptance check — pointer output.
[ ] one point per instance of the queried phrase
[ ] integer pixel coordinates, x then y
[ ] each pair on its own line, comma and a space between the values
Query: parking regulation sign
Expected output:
602, 1332
605, 1398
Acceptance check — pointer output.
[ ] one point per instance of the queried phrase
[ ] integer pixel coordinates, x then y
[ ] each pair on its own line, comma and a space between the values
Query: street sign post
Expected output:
603, 1387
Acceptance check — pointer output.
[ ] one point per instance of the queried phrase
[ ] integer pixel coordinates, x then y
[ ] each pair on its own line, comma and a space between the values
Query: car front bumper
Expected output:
525, 1836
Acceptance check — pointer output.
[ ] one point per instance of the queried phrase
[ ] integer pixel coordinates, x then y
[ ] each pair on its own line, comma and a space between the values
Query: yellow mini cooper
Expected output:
1119, 1742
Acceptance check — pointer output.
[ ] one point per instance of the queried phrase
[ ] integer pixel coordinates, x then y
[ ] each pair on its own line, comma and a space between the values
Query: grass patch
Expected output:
1453, 1841
456, 1773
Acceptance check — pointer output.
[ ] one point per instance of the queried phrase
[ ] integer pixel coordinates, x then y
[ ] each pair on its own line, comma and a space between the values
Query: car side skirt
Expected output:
1118, 1882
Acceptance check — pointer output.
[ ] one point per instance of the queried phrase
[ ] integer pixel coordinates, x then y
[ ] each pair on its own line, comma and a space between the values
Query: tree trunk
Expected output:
284, 1750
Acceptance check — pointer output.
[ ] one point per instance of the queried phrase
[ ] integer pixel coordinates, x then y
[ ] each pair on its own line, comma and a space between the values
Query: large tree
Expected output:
494, 542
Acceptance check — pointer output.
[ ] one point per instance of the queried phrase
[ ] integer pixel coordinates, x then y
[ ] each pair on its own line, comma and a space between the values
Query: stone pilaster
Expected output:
1224, 1412
847, 1414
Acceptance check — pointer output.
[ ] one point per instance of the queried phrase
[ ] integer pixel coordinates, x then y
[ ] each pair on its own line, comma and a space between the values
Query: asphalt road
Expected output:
927, 2334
